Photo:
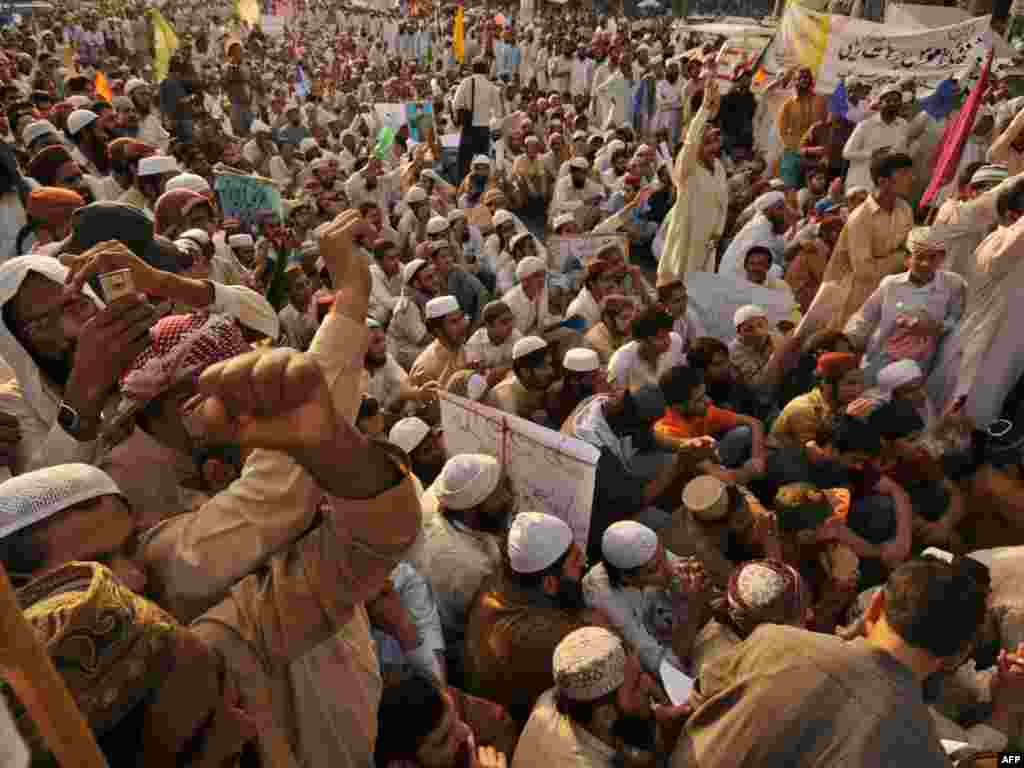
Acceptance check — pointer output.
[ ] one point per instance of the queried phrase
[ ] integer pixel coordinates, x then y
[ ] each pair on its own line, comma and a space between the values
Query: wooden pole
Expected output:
27, 667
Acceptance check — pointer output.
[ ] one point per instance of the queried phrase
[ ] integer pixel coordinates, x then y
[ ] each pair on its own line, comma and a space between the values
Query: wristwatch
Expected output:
69, 419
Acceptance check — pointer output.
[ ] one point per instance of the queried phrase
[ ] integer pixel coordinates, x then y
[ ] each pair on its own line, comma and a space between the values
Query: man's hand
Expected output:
107, 257
349, 268
1008, 683
712, 97
277, 400
230, 730
107, 345
698, 449
489, 757
10, 436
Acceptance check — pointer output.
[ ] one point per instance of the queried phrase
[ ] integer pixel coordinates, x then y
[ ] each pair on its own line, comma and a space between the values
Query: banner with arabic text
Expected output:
836, 47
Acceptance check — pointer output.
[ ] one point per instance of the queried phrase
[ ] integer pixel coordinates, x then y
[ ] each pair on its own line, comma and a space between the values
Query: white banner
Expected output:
550, 472
715, 299
835, 47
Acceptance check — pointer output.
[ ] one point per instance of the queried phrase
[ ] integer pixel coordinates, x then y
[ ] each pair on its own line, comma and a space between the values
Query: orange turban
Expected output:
835, 365
53, 206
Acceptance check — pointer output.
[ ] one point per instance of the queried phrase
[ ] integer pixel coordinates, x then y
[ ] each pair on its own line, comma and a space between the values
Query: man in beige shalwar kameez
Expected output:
697, 221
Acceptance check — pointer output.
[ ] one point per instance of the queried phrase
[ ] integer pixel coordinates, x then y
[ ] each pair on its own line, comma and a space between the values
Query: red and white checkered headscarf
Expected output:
181, 346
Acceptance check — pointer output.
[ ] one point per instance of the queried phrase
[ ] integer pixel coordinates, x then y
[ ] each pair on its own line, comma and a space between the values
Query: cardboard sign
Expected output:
248, 198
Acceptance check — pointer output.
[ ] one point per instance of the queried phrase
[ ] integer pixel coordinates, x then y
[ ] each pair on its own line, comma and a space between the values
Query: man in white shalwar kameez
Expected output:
697, 220
987, 349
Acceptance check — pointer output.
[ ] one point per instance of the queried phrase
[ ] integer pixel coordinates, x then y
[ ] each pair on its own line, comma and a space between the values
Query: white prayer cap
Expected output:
990, 173
132, 84
939, 554
581, 360
536, 541
482, 160
188, 245
531, 139
563, 219
885, 90
79, 101
80, 118
408, 433
467, 480
589, 663
928, 239
307, 144
416, 195
437, 225
258, 126
749, 312
252, 310
515, 240
430, 173
615, 145
188, 181
531, 265
501, 216
455, 215
34, 496
776, 183
198, 235
154, 165
769, 199
409, 270
628, 544
36, 129
707, 498
897, 374
441, 306
241, 241
527, 345
579, 163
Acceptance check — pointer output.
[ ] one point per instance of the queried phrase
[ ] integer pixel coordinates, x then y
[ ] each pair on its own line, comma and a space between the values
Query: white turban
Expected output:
467, 480
34, 496
749, 312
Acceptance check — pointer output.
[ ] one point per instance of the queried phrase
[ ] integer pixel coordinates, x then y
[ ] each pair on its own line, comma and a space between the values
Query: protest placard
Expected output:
549, 472
715, 298
569, 253
419, 116
248, 198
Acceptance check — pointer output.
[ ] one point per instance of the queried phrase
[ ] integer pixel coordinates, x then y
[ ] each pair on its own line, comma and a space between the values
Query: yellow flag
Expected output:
165, 43
248, 11
459, 36
102, 87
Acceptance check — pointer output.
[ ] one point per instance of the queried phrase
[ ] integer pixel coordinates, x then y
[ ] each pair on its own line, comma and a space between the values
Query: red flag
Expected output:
953, 138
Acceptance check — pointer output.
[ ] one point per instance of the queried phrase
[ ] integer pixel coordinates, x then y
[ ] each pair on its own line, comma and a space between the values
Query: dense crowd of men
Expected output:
226, 496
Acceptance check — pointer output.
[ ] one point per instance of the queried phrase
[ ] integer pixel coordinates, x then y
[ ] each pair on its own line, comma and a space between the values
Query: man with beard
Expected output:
765, 229
54, 167
446, 354
669, 98
489, 349
407, 332
885, 131
600, 710
385, 270
823, 144
465, 512
576, 193
154, 171
518, 617
795, 118
757, 264
583, 378
424, 446
524, 392
384, 379
412, 227
150, 128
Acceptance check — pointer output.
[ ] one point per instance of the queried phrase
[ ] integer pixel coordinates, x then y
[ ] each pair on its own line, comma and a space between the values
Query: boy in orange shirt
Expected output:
689, 414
